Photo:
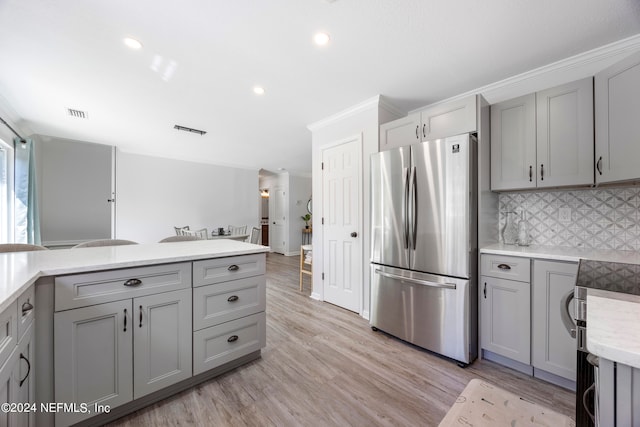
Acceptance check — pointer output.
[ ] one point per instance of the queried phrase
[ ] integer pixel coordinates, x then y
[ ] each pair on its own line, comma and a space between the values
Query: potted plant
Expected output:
306, 218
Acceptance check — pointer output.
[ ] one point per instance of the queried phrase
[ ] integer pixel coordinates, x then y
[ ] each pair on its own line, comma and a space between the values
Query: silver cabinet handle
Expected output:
416, 281
599, 165
541, 172
26, 307
233, 267
564, 313
530, 173
504, 266
424, 130
417, 127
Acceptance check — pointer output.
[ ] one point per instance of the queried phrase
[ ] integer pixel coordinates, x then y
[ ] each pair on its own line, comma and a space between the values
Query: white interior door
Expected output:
277, 219
342, 241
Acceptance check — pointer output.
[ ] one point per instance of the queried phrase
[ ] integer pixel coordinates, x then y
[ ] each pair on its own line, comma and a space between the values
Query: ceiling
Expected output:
201, 59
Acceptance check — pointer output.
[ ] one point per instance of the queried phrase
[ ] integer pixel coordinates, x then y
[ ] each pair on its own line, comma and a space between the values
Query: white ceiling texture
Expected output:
201, 59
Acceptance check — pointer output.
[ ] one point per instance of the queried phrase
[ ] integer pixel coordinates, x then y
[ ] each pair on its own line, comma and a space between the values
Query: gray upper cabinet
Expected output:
452, 118
513, 143
617, 96
543, 139
448, 119
564, 136
400, 132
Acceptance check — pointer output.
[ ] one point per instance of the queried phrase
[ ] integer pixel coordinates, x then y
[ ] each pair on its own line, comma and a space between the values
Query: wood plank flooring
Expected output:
324, 366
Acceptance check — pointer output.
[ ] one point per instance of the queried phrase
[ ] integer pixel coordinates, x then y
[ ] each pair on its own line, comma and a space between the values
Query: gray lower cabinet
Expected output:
114, 352
93, 357
17, 384
553, 347
506, 321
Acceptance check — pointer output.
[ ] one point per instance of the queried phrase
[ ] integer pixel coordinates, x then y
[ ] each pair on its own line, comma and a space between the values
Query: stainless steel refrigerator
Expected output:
424, 245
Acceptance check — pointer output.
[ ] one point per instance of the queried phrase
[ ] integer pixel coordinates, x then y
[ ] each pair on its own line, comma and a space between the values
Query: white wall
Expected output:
155, 194
362, 120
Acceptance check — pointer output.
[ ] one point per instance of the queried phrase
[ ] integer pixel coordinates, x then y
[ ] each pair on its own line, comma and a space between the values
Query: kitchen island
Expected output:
121, 327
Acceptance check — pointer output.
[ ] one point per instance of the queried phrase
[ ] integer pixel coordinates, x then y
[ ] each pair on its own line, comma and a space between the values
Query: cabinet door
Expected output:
617, 105
162, 341
449, 119
564, 136
506, 322
8, 392
513, 144
23, 374
554, 350
92, 357
400, 132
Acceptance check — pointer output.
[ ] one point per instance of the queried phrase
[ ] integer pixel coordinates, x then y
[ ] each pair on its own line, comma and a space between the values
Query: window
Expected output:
6, 192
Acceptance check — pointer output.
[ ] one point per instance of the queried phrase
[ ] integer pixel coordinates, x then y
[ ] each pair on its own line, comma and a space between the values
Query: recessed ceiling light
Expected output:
132, 43
258, 90
321, 39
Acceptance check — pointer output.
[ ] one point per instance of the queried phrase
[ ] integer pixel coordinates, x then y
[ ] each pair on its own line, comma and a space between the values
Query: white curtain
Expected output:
27, 216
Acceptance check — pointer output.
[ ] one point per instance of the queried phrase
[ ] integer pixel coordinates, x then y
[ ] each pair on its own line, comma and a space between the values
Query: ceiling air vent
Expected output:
77, 113
186, 129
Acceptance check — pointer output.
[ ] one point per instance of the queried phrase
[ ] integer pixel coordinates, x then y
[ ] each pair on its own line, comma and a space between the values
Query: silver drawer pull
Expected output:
232, 338
233, 298
233, 267
504, 267
133, 282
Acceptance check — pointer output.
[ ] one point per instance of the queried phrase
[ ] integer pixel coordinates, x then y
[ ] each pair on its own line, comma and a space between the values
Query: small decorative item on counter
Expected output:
509, 231
523, 231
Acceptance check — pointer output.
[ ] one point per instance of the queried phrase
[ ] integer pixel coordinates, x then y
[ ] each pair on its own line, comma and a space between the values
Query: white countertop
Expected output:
612, 326
560, 253
19, 270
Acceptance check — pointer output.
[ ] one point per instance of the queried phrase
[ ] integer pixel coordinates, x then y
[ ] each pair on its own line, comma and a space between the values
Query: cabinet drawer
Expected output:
222, 302
218, 270
80, 290
26, 310
220, 344
506, 267
8, 332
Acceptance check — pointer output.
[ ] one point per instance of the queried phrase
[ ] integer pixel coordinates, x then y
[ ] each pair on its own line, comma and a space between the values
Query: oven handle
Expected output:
564, 313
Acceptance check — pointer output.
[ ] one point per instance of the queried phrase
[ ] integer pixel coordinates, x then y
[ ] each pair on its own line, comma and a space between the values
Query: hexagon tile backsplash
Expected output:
599, 218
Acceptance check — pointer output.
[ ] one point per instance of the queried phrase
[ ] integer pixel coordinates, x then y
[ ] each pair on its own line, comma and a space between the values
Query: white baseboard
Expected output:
316, 296
365, 314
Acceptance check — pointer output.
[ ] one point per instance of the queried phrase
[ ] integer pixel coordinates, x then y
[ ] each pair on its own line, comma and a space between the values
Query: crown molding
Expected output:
351, 111
389, 107
599, 54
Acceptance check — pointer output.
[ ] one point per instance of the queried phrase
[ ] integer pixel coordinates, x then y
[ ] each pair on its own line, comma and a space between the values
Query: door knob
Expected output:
354, 234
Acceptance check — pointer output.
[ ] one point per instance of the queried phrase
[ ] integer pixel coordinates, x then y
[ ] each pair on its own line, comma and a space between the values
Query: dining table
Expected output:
240, 237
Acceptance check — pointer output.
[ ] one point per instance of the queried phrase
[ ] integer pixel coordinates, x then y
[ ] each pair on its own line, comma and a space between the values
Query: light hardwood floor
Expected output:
324, 366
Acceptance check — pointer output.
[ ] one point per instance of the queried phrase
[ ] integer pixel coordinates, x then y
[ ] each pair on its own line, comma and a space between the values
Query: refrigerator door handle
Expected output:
414, 208
405, 208
416, 281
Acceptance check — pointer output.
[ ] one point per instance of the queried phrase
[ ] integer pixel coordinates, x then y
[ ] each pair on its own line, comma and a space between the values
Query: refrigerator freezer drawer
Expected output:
429, 311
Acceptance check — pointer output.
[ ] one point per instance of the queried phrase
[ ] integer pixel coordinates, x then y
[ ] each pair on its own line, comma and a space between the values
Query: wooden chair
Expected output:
182, 238
305, 259
255, 235
20, 247
238, 230
104, 242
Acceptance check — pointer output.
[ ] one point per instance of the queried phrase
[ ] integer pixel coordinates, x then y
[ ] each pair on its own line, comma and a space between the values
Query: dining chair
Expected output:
255, 235
104, 242
182, 238
180, 230
201, 234
238, 230
20, 247
306, 259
